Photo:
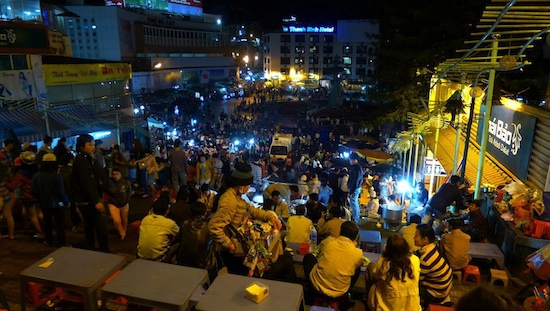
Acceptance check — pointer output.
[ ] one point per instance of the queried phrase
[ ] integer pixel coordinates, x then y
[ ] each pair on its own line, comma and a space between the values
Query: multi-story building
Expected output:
165, 49
314, 51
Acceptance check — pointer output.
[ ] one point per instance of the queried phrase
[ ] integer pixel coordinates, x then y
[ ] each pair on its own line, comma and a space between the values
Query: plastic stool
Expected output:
499, 275
39, 294
439, 308
471, 271
458, 274
135, 225
322, 300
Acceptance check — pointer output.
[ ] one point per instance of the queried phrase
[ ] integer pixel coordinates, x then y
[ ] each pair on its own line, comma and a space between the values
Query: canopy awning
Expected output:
373, 155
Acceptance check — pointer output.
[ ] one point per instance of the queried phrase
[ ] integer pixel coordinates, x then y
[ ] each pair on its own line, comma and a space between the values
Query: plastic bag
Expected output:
539, 262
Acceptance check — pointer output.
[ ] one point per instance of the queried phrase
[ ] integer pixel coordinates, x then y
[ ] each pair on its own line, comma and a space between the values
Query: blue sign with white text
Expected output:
510, 138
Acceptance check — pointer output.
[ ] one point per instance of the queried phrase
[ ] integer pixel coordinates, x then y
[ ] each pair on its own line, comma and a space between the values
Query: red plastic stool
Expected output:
325, 301
39, 294
73, 296
471, 271
439, 308
135, 225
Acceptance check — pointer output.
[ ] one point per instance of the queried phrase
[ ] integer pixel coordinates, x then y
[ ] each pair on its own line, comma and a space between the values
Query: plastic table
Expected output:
227, 292
80, 270
156, 284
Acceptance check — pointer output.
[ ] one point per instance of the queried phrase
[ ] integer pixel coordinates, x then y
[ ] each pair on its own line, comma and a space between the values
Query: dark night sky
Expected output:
270, 13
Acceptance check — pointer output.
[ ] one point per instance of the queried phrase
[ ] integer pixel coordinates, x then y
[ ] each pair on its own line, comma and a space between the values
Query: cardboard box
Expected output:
257, 292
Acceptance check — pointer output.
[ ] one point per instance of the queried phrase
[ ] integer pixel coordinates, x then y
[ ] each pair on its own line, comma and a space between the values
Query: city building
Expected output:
300, 52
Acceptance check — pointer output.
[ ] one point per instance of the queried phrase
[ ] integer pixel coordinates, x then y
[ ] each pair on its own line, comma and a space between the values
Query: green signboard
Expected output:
23, 38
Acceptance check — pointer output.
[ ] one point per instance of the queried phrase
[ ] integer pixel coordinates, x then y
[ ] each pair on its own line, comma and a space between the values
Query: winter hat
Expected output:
241, 175
28, 157
49, 157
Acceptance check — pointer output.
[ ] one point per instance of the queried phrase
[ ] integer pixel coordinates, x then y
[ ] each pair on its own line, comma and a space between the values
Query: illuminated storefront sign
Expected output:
86, 73
23, 38
307, 29
510, 138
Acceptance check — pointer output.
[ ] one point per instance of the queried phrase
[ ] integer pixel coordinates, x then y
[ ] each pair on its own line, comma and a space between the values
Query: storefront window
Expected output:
28, 10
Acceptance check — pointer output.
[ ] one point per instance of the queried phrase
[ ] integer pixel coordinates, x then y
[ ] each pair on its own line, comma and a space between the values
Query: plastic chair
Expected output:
4, 302
38, 294
325, 301
471, 271
499, 276
458, 275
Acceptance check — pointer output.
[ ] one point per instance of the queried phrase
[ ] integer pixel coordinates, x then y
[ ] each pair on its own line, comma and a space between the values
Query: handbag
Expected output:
241, 245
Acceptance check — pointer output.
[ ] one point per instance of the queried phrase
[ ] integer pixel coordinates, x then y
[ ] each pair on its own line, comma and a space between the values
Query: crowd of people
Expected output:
200, 188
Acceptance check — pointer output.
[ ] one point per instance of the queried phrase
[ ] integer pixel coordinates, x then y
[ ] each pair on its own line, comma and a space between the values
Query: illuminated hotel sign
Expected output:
307, 29
510, 138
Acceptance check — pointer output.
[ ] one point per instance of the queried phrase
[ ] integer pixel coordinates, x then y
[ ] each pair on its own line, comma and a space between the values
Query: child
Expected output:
118, 196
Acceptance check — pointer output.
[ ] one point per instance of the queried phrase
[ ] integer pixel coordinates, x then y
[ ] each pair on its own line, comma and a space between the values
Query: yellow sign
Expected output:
86, 73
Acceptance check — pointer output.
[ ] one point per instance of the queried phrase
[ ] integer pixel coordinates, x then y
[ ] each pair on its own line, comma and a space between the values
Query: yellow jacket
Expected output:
231, 211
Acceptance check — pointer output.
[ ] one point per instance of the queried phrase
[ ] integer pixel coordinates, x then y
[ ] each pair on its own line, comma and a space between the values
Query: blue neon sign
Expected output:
308, 29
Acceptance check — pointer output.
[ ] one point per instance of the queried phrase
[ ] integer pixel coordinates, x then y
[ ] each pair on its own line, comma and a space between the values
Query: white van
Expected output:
281, 145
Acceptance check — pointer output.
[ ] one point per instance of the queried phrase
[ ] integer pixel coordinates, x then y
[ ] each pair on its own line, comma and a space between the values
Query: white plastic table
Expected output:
227, 292
155, 284
80, 270
486, 251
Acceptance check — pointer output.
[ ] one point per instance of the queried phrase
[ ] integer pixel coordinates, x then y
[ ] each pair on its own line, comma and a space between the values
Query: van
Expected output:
281, 145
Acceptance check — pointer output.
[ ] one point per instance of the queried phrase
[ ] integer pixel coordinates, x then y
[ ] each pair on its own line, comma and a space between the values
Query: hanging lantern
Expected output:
507, 62
476, 91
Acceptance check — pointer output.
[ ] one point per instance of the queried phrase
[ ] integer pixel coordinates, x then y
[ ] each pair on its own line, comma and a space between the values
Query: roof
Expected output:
492, 174
507, 28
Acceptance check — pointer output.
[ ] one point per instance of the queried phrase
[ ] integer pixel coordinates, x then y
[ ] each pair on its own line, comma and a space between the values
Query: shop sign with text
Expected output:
510, 138
86, 73
23, 38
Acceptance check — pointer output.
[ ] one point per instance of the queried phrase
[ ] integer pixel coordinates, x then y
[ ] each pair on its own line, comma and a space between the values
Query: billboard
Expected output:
185, 7
23, 38
510, 138
17, 84
86, 73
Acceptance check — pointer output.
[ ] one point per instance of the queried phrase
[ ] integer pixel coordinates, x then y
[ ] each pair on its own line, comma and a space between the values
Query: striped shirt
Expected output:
435, 274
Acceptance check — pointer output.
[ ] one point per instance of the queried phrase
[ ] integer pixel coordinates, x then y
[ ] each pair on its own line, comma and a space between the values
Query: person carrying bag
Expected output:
231, 213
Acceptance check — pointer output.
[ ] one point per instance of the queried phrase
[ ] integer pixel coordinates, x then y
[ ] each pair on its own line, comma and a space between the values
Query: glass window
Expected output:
5, 62
361, 60
346, 60
285, 38
361, 49
361, 72
347, 49
300, 50
314, 60
314, 38
285, 60
313, 49
300, 38
329, 38
19, 62
298, 60
327, 60
285, 49
328, 49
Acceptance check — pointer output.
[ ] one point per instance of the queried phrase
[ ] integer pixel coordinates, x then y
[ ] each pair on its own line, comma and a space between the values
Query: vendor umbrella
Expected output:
374, 155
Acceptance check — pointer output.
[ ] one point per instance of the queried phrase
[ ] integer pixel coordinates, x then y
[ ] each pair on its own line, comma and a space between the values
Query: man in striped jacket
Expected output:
436, 275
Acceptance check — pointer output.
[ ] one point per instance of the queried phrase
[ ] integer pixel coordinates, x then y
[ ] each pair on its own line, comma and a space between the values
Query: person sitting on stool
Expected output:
337, 266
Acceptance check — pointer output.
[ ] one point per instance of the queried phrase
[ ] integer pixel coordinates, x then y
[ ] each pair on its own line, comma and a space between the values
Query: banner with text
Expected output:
17, 84
23, 38
86, 73
510, 138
